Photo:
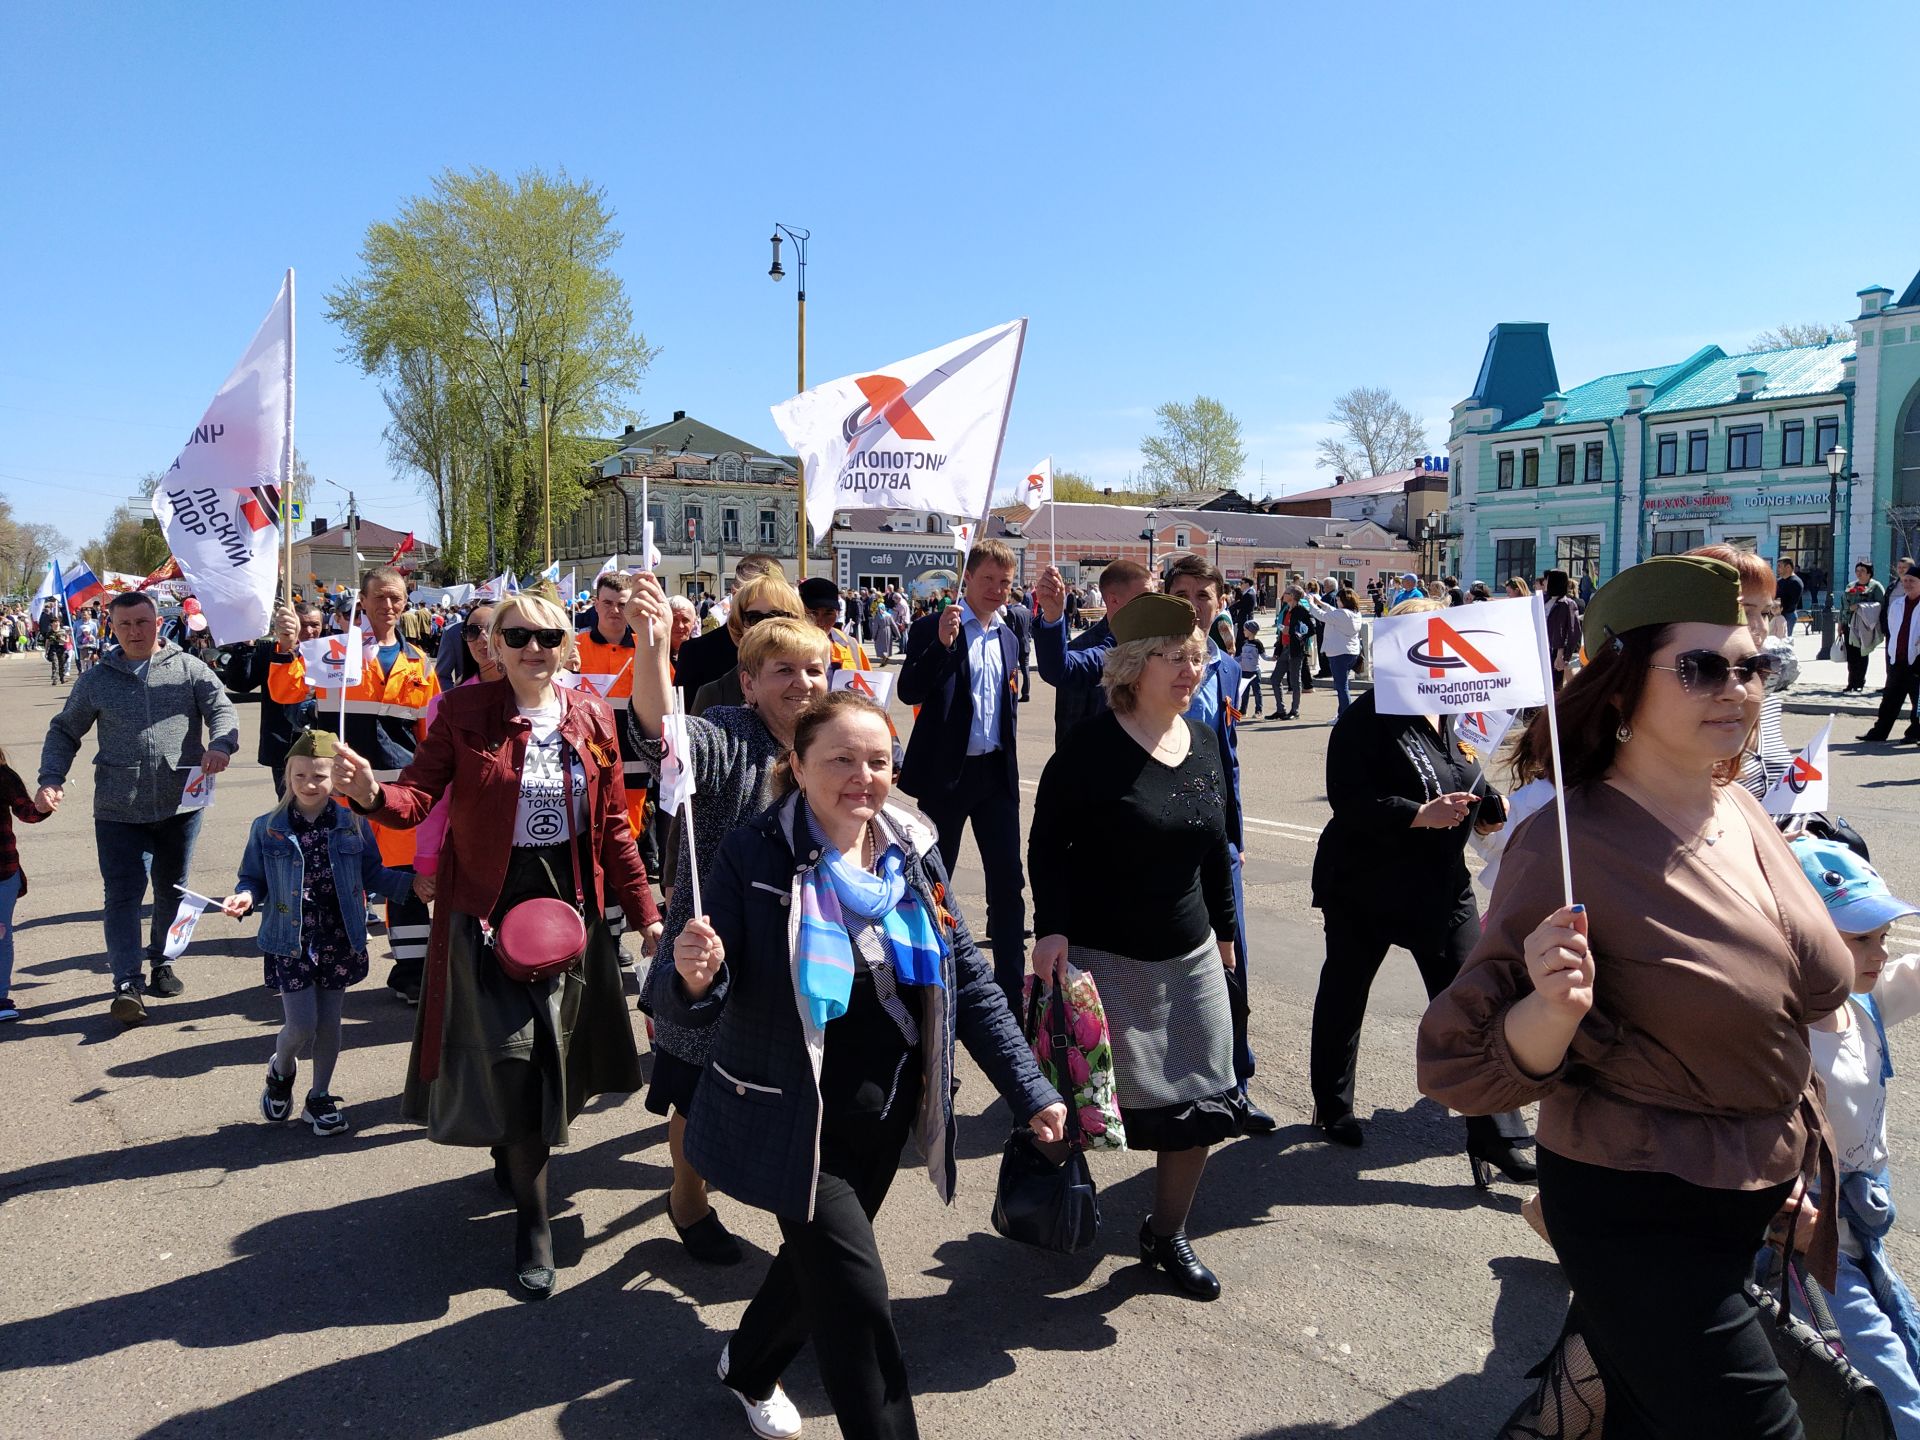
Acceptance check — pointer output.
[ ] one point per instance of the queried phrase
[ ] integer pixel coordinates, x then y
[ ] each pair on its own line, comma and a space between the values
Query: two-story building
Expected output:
1715, 447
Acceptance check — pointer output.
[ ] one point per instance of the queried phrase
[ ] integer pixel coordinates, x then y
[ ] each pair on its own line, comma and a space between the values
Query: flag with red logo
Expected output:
920, 434
876, 685
1483, 729
1466, 658
219, 503
1804, 788
1037, 489
333, 661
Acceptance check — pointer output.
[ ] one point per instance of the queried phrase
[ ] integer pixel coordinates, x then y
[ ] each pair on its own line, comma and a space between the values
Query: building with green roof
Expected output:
1715, 448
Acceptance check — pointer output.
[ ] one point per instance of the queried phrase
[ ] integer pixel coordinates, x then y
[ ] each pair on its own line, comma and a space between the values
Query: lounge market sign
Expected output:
1673, 506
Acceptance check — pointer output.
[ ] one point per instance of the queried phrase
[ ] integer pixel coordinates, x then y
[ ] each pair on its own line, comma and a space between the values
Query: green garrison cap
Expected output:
314, 744
1153, 617
1666, 590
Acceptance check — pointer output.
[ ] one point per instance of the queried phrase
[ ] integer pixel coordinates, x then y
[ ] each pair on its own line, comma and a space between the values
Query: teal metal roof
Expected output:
1601, 399
1802, 370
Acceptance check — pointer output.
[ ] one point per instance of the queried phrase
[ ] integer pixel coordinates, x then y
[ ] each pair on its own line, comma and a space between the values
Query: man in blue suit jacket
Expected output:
1073, 666
962, 669
1216, 704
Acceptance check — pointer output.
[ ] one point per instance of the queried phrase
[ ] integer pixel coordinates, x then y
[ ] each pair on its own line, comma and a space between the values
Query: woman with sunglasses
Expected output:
759, 599
1768, 754
1661, 1023
537, 808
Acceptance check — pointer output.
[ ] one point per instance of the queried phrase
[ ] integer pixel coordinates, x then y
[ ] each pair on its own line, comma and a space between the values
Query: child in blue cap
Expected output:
1876, 1315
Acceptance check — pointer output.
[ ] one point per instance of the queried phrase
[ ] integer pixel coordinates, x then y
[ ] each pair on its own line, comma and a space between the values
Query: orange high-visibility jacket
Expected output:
597, 657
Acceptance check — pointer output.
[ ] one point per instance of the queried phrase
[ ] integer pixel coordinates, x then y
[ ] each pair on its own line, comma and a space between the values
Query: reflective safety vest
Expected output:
597, 657
848, 653
386, 719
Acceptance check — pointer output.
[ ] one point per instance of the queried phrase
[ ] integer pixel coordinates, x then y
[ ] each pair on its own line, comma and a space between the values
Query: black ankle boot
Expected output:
1173, 1254
1499, 1154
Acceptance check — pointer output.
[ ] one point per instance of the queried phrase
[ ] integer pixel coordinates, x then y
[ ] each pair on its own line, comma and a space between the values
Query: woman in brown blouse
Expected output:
1662, 1023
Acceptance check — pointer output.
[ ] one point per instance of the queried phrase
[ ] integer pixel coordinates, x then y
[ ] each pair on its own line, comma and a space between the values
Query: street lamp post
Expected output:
776, 273
546, 450
1147, 535
1836, 472
1217, 538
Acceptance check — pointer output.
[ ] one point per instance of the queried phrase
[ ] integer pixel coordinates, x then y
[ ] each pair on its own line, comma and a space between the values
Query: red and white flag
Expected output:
876, 685
1037, 489
676, 773
333, 661
923, 433
1483, 729
1804, 789
185, 920
1468, 658
219, 504
962, 539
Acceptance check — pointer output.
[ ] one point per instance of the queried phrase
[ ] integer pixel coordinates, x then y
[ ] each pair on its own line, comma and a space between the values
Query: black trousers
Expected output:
827, 1284
1656, 1266
409, 925
1357, 941
983, 798
1902, 693
1856, 668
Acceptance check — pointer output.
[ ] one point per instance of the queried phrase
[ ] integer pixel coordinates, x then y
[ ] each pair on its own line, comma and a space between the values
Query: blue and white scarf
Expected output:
825, 963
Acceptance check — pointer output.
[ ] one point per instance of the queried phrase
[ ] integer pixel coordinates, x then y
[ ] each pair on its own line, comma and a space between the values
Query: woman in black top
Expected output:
1391, 870
1133, 882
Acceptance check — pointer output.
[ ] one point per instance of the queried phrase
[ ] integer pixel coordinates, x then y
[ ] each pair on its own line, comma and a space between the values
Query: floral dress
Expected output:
327, 958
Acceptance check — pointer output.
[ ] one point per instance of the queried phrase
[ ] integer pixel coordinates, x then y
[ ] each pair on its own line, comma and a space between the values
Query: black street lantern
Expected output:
776, 272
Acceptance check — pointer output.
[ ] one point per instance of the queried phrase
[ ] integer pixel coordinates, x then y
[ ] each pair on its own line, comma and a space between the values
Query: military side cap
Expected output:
1154, 616
1666, 590
315, 745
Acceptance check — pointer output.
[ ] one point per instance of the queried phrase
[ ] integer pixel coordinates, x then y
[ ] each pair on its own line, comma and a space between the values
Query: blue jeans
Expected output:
1342, 672
9, 892
129, 855
1875, 1349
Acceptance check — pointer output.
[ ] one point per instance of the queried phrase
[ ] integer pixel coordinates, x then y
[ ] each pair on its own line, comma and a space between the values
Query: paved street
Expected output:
177, 1268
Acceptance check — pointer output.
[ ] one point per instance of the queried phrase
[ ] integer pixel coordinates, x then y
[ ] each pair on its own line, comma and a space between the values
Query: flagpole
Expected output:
286, 461
353, 612
677, 705
1006, 411
1553, 740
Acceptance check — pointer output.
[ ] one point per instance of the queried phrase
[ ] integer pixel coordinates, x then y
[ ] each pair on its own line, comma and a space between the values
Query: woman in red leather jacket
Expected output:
526, 765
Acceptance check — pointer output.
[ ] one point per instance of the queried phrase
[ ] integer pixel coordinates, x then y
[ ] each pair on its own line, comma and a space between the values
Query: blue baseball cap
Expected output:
1855, 895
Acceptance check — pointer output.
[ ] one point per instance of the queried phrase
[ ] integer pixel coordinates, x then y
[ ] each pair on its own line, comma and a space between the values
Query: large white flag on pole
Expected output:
1447, 662
920, 434
219, 505
1803, 790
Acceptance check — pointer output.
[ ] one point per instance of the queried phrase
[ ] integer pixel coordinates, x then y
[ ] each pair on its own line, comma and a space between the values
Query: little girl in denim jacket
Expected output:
314, 863
1876, 1315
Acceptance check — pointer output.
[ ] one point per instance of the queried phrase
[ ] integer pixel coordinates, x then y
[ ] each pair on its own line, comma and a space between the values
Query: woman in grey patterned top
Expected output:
733, 750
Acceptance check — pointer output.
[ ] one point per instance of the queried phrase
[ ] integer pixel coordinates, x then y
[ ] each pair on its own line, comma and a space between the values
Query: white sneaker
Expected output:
773, 1418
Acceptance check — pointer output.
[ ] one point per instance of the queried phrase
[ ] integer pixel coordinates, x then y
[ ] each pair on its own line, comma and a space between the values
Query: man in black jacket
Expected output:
960, 669
246, 670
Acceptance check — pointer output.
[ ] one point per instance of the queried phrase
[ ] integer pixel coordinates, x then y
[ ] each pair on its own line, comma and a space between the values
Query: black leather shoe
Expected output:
535, 1281
1258, 1121
1340, 1129
1173, 1254
708, 1241
1504, 1156
1873, 737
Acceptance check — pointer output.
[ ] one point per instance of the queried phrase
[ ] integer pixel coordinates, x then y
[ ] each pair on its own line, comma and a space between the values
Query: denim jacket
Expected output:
273, 872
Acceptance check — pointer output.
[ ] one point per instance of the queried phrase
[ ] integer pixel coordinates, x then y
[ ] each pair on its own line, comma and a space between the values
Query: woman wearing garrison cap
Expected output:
1133, 882
1662, 1023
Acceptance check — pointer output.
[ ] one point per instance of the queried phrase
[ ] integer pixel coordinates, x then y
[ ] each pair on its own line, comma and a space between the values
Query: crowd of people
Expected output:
1703, 1031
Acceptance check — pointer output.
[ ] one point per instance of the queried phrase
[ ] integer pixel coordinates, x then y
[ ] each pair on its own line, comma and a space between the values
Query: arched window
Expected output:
1906, 454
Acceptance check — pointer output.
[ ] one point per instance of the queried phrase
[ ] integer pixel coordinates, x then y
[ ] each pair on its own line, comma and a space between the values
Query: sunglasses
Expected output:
517, 637
1709, 669
754, 617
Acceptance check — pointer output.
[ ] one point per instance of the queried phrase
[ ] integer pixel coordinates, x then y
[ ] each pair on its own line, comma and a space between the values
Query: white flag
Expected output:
676, 774
498, 588
180, 933
613, 564
1803, 789
49, 589
1038, 488
570, 586
219, 505
1483, 729
650, 560
962, 539
569, 679
876, 685
921, 434
333, 661
197, 792
1473, 657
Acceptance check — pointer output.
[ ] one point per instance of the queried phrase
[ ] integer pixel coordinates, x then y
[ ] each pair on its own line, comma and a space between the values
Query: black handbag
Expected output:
1053, 1207
1836, 1402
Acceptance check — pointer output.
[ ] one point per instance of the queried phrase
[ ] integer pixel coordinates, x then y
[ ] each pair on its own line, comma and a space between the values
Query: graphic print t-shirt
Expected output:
544, 779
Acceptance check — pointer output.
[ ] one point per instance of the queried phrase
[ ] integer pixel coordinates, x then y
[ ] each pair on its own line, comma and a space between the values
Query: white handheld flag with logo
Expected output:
1469, 657
333, 661
676, 773
962, 539
876, 685
1803, 790
196, 793
921, 434
185, 919
1037, 489
219, 505
1483, 729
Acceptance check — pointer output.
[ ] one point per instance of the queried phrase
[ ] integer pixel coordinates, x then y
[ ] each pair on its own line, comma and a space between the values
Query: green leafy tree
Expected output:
1197, 446
24, 552
1374, 433
485, 306
131, 542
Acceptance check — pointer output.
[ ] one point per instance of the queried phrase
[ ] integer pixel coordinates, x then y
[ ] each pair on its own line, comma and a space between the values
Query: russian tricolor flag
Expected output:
82, 585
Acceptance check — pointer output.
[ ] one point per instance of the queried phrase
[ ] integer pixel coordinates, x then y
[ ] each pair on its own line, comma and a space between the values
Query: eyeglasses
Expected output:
754, 617
1182, 657
517, 637
1709, 669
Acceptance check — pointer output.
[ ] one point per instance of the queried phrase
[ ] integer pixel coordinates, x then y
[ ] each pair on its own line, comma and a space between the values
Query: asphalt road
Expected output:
177, 1268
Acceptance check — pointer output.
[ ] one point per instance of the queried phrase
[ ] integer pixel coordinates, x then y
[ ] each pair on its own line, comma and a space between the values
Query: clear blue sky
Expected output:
1267, 203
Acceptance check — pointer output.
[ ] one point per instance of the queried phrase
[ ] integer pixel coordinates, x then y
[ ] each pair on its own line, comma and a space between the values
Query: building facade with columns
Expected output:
1716, 447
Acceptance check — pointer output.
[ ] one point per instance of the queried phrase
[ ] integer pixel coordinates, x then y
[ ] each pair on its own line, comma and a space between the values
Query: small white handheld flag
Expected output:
197, 792
922, 433
333, 661
962, 538
180, 933
1037, 489
1446, 662
1483, 729
1803, 790
676, 770
876, 685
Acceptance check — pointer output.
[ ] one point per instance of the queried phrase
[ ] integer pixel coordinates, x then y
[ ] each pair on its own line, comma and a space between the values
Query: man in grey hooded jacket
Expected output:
160, 712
